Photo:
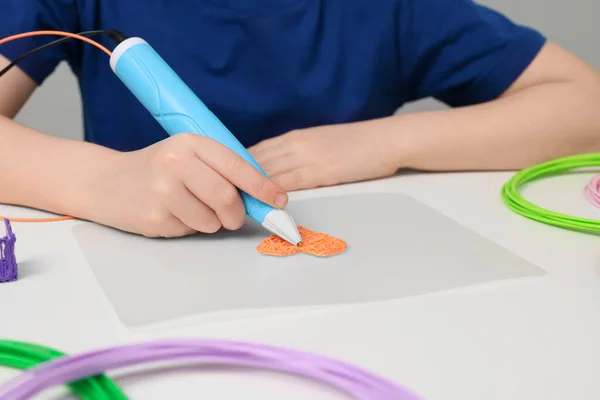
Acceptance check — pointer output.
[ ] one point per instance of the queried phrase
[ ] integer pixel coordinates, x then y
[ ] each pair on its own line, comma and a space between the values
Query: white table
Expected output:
526, 339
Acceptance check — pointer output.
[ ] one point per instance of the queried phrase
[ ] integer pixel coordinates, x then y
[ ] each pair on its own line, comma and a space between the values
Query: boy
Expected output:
309, 86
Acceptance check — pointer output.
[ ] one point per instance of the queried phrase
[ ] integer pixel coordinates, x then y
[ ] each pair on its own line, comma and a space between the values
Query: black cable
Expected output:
46, 46
115, 35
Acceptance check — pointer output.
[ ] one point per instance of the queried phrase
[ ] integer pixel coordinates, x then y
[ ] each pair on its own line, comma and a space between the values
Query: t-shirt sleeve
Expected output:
461, 52
19, 16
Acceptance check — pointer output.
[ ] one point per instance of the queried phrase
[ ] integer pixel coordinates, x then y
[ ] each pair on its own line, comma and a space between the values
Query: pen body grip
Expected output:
176, 107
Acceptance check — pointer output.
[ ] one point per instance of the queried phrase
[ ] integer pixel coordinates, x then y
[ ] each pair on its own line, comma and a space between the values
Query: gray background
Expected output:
55, 107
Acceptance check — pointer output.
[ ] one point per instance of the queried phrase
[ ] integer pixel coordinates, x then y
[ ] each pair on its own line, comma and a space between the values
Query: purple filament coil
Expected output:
8, 262
358, 383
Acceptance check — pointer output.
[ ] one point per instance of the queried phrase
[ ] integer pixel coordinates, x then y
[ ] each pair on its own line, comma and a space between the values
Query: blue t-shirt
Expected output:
266, 67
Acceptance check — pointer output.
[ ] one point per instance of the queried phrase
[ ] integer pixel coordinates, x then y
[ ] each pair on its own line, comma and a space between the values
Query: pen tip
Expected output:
299, 244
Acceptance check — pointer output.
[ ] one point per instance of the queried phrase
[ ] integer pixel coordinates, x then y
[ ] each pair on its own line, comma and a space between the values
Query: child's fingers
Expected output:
193, 213
216, 192
279, 162
265, 147
295, 179
240, 173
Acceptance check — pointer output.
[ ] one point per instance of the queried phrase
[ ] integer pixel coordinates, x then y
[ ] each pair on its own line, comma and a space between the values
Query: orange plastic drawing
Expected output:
313, 243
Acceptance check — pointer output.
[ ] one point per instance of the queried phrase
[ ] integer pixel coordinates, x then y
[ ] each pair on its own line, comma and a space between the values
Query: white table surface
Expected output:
524, 339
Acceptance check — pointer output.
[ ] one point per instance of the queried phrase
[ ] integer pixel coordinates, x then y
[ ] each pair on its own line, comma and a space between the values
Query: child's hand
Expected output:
181, 185
325, 156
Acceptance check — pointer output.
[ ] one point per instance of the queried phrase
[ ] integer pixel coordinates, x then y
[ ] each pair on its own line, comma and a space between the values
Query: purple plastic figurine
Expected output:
8, 262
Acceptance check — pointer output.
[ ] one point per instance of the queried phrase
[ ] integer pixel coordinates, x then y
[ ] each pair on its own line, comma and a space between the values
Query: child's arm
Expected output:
515, 100
45, 172
15, 88
552, 110
181, 185
38, 170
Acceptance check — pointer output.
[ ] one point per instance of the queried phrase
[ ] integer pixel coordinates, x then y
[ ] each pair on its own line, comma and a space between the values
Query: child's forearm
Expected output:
45, 172
528, 127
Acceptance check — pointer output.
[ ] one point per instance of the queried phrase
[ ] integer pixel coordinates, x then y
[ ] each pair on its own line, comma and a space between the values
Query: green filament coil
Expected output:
514, 200
21, 355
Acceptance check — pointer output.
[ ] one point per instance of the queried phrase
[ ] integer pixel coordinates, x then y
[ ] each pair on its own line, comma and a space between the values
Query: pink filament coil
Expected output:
592, 191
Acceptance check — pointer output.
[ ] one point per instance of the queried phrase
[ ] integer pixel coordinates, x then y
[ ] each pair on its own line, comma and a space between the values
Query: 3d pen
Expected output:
177, 109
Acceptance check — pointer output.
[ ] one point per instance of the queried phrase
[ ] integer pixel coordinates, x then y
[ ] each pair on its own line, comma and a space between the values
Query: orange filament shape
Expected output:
313, 243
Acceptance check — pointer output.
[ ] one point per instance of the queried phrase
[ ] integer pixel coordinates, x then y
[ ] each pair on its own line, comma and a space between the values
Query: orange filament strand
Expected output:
56, 33
50, 219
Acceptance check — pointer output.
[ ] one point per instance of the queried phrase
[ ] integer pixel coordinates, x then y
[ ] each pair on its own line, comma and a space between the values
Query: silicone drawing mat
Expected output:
397, 247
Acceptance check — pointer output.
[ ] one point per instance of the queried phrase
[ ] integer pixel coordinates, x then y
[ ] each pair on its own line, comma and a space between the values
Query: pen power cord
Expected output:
352, 380
514, 200
20, 355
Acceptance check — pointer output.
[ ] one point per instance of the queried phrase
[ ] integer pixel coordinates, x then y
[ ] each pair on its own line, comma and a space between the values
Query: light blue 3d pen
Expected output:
177, 109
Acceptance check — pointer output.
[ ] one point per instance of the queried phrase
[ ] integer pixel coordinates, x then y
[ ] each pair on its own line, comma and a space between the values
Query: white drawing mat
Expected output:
397, 247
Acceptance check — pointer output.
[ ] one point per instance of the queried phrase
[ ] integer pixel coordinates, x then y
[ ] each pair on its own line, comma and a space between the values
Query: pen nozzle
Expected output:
281, 224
